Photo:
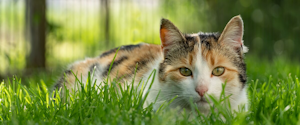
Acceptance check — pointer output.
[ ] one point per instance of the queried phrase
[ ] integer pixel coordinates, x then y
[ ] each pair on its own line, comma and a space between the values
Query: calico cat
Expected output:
190, 66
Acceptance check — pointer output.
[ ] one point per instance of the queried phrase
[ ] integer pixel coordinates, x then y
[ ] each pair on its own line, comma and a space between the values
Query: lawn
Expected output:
273, 91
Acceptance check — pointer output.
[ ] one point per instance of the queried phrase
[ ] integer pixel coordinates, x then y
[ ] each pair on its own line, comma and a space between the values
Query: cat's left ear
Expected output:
232, 34
170, 36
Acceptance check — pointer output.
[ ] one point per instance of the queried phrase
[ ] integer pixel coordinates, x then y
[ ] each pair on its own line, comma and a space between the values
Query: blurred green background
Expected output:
76, 29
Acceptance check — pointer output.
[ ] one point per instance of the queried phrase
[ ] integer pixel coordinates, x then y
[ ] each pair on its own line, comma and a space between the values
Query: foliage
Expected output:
271, 26
75, 32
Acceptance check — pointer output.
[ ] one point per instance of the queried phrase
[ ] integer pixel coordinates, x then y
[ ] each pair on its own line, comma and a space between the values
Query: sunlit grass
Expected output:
113, 103
273, 99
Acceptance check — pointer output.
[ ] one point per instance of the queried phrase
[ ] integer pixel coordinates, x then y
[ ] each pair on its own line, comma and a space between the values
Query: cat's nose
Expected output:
201, 90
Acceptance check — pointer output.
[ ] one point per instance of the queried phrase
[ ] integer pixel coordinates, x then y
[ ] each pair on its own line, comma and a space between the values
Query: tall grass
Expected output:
273, 99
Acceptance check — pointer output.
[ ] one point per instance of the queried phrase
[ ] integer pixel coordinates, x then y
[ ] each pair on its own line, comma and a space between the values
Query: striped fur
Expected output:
199, 52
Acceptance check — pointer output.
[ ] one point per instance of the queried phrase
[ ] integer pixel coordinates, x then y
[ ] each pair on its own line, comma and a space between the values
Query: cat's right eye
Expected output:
185, 71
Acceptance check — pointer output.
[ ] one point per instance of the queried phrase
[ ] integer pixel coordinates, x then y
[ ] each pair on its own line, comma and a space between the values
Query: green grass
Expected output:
273, 91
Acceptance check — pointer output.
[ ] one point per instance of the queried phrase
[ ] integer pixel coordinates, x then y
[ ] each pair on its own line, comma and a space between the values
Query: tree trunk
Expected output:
106, 13
36, 33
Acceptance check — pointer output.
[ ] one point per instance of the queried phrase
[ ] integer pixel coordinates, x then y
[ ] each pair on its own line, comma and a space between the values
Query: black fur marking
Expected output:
190, 43
216, 36
244, 76
243, 66
189, 38
93, 67
125, 48
108, 52
141, 64
161, 71
59, 83
167, 60
129, 47
115, 63
138, 65
207, 45
68, 72
204, 36
243, 79
205, 39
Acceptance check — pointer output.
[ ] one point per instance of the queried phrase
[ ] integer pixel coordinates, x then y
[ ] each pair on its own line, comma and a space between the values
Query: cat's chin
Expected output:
203, 106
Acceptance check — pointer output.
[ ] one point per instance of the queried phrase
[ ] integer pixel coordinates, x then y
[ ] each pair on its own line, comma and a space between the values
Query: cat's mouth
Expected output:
203, 105
202, 100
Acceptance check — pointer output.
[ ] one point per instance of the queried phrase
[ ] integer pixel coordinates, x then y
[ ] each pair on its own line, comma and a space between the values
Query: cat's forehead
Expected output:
195, 45
214, 36
206, 46
202, 37
203, 41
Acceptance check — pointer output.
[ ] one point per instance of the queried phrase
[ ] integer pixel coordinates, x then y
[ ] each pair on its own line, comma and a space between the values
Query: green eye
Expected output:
185, 71
218, 71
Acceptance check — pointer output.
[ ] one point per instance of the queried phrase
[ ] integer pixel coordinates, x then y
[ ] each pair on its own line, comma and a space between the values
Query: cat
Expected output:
189, 66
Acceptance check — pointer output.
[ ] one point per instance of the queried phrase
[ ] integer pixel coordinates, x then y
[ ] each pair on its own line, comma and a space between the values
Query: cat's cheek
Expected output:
175, 76
188, 87
215, 86
185, 85
229, 76
234, 88
231, 79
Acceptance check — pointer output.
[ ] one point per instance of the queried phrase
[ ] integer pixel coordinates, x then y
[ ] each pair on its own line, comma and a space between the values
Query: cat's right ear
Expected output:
169, 35
232, 34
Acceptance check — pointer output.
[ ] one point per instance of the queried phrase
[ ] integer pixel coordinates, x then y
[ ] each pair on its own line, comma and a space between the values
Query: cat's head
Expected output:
196, 65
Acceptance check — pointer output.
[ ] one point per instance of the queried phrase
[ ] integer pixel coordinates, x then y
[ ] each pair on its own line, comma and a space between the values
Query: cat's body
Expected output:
189, 66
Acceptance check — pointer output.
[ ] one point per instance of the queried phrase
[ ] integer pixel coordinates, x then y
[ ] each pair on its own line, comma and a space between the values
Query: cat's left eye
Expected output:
185, 71
218, 71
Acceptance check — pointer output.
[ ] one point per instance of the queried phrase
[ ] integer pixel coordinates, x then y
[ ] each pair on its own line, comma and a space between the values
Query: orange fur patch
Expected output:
144, 52
215, 58
163, 33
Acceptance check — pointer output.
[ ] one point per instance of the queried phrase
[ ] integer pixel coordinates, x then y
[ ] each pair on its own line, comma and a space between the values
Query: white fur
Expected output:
185, 90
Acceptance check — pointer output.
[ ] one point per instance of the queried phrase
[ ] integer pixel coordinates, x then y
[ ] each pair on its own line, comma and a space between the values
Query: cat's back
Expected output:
140, 58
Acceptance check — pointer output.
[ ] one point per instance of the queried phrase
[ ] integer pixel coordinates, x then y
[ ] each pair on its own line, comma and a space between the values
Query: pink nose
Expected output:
201, 90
